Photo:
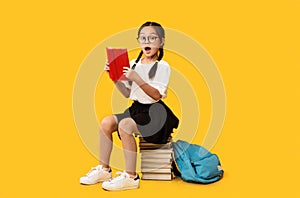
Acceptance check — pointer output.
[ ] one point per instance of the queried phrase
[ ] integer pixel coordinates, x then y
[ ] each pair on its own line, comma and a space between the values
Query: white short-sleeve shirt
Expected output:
160, 81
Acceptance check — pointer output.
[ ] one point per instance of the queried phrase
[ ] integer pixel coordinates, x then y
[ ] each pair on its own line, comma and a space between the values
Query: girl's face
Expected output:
149, 41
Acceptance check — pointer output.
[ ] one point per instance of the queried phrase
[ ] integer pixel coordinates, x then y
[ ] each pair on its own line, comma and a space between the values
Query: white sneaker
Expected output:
95, 175
122, 182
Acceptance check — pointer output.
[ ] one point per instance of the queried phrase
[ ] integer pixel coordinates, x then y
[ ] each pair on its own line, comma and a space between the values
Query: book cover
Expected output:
156, 160
142, 140
158, 151
157, 155
157, 176
117, 59
156, 170
148, 146
155, 165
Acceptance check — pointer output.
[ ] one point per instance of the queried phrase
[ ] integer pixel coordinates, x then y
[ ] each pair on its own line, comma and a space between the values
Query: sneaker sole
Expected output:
99, 181
119, 189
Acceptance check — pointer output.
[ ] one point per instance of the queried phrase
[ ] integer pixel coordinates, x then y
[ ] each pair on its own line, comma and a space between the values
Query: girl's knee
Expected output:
108, 124
122, 133
127, 126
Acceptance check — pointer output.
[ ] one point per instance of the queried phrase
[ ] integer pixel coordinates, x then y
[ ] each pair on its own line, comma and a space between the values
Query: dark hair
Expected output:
161, 34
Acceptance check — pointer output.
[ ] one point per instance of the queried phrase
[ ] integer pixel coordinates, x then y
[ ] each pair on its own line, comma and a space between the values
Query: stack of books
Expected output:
156, 162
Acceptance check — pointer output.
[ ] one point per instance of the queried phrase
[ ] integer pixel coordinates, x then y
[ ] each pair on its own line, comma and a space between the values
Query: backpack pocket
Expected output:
208, 169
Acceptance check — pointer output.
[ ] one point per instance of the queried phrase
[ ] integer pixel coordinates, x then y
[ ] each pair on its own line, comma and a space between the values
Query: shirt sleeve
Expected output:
161, 79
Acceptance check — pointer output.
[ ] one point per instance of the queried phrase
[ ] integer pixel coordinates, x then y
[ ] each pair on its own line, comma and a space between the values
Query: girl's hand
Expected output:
129, 73
106, 67
132, 76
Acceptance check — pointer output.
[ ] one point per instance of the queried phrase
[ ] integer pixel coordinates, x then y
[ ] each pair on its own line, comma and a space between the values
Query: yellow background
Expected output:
255, 44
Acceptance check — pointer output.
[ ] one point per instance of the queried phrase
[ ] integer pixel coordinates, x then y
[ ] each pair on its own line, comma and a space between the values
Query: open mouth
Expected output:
147, 49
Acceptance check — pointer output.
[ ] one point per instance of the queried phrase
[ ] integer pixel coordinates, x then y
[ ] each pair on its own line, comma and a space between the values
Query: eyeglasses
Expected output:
143, 39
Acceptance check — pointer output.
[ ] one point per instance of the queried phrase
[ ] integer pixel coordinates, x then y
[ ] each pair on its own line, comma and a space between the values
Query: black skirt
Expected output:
155, 122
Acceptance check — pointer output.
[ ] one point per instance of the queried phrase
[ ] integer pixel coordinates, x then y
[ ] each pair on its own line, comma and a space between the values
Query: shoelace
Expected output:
92, 171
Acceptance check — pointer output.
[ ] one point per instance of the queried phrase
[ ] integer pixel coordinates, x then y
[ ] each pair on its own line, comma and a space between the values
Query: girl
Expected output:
148, 115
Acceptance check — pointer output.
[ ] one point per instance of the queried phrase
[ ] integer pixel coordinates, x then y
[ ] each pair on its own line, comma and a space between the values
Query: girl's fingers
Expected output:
106, 68
126, 69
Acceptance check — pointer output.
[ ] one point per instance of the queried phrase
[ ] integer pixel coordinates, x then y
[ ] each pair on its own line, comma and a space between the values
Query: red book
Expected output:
117, 59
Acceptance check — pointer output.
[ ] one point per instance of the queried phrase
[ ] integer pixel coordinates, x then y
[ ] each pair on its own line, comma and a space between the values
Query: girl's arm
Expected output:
122, 88
148, 89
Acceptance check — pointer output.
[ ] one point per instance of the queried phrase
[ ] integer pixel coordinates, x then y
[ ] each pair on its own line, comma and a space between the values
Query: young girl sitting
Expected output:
148, 115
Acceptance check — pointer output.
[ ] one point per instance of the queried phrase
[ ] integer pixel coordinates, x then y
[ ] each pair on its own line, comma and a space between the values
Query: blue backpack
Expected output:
193, 163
